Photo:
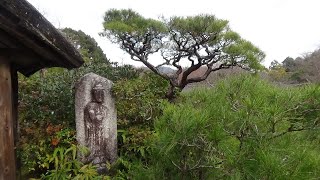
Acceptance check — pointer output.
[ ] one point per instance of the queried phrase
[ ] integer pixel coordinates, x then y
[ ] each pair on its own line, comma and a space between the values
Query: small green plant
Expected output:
36, 145
66, 166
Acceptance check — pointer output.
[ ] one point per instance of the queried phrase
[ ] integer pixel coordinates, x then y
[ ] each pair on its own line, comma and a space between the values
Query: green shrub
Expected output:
138, 100
243, 128
138, 103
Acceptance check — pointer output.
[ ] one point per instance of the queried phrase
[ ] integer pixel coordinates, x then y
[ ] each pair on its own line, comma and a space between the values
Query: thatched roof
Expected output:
30, 41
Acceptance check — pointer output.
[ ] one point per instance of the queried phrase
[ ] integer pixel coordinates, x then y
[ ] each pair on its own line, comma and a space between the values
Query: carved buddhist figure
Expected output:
94, 115
96, 121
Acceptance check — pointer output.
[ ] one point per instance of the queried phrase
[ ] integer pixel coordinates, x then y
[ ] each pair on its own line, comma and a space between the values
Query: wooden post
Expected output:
7, 151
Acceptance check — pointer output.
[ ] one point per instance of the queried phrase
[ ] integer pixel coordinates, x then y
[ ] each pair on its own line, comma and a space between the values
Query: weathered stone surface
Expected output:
96, 120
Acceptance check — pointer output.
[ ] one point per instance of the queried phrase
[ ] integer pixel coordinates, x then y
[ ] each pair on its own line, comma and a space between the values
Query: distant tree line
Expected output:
305, 69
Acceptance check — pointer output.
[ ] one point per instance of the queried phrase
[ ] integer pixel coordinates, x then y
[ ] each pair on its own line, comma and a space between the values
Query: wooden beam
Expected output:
15, 122
7, 151
23, 26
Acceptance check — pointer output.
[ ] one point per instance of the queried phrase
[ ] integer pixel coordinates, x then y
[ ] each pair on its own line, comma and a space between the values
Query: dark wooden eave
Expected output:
30, 41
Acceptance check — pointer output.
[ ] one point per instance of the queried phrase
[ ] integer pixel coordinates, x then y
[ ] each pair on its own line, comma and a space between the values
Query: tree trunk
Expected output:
7, 151
170, 93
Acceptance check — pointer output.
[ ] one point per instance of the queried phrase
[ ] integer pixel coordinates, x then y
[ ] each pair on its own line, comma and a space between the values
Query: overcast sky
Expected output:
280, 28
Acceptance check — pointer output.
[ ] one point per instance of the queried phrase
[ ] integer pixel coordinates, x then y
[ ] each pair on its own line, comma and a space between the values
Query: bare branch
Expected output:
176, 165
290, 129
207, 73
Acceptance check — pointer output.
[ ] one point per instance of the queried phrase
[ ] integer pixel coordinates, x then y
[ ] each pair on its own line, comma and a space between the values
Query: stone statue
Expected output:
96, 120
94, 114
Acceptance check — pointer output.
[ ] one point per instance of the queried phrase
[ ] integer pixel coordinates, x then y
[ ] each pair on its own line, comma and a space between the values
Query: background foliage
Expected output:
300, 70
239, 128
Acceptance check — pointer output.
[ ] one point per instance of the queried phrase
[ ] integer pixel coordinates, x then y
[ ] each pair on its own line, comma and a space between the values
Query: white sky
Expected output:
280, 28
